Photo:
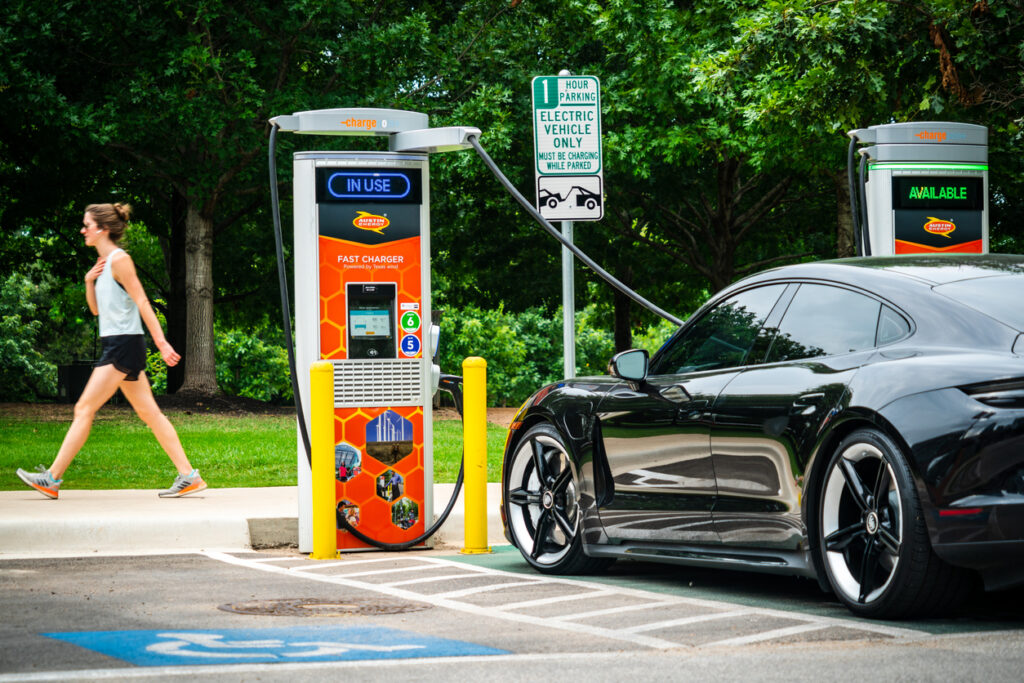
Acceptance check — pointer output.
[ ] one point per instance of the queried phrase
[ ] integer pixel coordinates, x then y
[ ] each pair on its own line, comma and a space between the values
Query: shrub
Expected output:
25, 375
250, 366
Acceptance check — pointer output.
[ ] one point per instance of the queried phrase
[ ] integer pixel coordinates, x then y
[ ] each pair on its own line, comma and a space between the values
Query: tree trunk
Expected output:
845, 246
200, 368
177, 306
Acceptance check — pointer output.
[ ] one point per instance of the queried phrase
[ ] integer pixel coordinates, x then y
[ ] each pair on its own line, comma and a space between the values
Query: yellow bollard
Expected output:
321, 436
474, 420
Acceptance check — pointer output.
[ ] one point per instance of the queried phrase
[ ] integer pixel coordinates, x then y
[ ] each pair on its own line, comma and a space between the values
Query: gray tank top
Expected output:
118, 313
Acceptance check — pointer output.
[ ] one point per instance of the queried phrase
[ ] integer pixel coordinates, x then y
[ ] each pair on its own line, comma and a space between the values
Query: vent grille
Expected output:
371, 383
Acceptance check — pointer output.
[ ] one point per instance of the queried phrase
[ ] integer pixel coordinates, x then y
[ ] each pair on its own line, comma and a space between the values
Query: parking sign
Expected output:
567, 147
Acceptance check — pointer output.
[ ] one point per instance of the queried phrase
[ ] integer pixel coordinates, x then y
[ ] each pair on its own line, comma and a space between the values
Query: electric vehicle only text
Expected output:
858, 421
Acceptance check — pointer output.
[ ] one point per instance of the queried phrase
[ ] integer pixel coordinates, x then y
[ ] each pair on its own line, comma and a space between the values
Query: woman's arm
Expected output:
90, 285
124, 272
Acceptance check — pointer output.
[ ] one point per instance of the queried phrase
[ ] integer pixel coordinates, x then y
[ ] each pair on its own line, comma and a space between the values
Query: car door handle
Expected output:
808, 404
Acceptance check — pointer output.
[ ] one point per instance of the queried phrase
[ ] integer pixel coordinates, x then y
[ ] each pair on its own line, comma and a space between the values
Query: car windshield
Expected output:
998, 297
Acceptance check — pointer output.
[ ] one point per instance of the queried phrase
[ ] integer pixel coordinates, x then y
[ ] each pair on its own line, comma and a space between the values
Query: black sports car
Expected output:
858, 421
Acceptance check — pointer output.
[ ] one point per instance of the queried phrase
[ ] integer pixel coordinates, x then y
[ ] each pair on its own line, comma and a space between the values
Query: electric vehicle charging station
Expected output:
362, 301
925, 189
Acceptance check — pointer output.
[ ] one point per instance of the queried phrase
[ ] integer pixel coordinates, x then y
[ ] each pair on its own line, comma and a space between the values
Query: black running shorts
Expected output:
126, 352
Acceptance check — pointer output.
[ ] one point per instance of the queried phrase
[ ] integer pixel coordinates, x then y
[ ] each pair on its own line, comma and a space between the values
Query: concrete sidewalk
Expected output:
138, 521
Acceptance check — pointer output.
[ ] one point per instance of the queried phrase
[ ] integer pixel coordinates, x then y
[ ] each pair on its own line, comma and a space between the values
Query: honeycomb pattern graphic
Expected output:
341, 262
390, 485
376, 514
335, 274
405, 512
350, 511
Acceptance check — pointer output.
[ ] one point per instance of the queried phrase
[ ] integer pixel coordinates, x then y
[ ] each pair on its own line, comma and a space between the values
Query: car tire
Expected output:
552, 203
541, 498
872, 539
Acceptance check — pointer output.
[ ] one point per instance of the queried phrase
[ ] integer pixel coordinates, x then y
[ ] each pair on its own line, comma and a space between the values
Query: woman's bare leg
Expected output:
102, 384
140, 395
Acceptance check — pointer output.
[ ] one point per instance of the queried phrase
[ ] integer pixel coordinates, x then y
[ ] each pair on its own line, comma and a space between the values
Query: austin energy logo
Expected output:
938, 226
371, 222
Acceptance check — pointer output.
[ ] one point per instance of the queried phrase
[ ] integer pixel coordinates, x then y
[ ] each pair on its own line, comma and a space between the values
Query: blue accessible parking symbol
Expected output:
299, 644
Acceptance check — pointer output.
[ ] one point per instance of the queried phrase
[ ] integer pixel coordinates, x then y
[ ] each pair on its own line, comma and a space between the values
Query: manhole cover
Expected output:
319, 607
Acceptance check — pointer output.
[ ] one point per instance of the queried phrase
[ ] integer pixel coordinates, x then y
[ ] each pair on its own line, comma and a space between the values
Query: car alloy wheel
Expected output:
862, 523
540, 493
872, 539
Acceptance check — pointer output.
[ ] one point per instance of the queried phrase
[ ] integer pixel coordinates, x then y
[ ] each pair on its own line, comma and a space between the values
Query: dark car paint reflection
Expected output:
719, 455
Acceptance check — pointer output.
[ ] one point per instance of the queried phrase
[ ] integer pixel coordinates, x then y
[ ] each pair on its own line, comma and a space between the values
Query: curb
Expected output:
134, 521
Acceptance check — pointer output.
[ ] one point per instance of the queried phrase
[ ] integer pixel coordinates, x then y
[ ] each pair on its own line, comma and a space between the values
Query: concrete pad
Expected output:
138, 521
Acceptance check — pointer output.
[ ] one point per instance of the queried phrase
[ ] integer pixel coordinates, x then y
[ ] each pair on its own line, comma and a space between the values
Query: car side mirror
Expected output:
630, 365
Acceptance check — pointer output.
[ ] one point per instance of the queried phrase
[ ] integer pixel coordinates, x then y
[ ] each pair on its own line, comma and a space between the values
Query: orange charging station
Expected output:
362, 302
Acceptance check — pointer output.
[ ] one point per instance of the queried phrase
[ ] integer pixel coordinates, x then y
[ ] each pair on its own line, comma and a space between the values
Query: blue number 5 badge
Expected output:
410, 345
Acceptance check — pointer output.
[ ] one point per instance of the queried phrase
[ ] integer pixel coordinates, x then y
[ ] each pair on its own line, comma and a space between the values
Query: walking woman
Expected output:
115, 294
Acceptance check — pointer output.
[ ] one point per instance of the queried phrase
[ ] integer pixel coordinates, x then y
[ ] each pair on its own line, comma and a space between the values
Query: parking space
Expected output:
416, 615
608, 608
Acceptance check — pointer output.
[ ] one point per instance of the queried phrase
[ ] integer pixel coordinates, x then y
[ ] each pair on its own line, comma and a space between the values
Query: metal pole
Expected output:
568, 304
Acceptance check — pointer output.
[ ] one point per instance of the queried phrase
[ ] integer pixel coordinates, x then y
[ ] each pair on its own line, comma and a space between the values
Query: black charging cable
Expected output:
453, 385
604, 274
851, 177
282, 281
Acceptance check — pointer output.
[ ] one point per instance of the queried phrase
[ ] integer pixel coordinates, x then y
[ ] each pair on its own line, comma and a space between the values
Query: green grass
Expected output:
230, 451
448, 450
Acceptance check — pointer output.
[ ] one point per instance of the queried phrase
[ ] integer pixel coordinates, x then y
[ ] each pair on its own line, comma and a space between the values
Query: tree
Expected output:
176, 96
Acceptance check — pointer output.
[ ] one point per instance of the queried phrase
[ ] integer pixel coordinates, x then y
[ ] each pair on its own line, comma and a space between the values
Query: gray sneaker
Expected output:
184, 484
41, 480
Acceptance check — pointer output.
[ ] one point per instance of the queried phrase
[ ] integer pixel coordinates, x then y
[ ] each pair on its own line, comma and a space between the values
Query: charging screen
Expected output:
371, 322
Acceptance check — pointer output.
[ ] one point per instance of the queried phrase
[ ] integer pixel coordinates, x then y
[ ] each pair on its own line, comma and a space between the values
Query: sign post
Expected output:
569, 170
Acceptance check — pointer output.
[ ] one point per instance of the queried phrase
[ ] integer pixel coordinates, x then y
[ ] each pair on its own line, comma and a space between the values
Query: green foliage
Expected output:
524, 350
25, 375
723, 126
250, 366
156, 371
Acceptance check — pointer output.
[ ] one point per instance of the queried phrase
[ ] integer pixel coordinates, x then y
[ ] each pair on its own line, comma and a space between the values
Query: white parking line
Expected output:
462, 592
325, 565
428, 579
615, 610
682, 621
768, 635
557, 598
633, 634
397, 570
397, 592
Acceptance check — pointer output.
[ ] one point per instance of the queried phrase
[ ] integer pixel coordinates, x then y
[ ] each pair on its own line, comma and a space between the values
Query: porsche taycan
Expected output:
858, 421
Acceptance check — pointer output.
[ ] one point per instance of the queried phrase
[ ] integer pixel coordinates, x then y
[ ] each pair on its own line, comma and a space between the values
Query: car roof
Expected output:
929, 269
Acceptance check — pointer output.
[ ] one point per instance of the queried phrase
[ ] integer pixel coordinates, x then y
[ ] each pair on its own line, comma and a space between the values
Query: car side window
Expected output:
891, 327
825, 321
722, 337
